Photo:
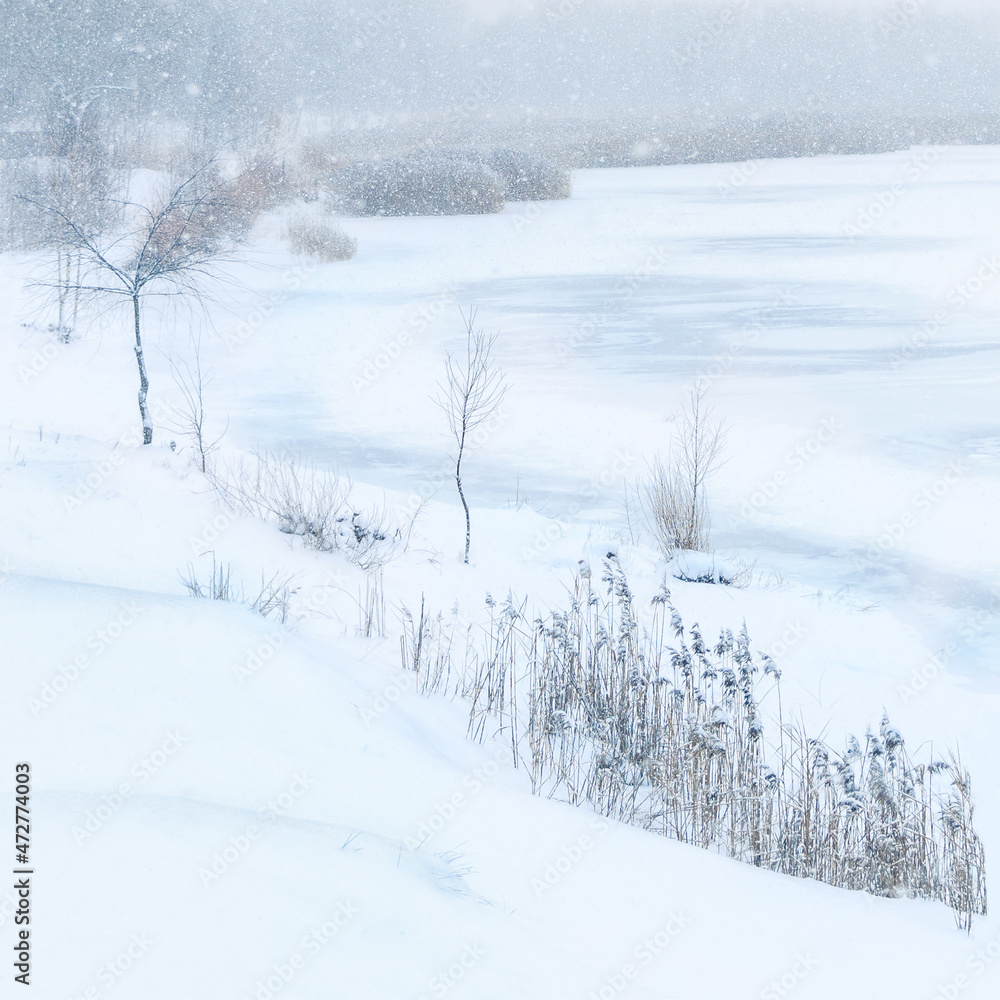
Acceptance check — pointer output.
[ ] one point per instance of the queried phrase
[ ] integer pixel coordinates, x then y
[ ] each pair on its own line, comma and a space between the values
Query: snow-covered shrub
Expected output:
300, 499
367, 537
529, 177
455, 182
443, 184
320, 239
311, 503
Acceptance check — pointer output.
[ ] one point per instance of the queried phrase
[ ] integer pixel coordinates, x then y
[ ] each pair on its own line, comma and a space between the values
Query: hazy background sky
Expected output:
233, 64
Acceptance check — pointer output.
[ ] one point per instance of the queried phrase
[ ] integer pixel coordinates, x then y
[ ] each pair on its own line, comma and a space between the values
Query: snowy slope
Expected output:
223, 823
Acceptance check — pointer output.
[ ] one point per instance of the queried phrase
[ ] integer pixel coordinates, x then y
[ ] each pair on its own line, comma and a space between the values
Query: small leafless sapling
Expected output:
191, 381
471, 394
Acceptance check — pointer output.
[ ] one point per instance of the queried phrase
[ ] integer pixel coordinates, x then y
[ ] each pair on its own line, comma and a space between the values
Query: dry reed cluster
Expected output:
657, 727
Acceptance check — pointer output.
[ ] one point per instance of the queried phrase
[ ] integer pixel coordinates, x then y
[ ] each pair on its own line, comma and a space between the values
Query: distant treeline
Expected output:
648, 141
584, 81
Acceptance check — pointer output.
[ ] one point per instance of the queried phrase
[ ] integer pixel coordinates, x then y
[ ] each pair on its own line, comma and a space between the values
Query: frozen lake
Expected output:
609, 304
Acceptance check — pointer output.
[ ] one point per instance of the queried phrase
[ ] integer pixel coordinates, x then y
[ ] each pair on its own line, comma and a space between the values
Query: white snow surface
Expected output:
169, 734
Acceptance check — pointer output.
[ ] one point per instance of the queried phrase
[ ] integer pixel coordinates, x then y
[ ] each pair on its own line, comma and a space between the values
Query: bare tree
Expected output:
471, 394
191, 382
167, 247
674, 495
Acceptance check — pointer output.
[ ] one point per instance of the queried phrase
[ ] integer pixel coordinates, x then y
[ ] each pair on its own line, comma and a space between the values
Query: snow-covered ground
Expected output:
226, 808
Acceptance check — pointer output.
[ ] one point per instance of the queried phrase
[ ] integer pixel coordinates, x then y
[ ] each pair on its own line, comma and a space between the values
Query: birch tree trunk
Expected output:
147, 423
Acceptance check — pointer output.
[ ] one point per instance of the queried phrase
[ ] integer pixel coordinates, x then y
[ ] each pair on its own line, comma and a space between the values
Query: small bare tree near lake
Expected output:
168, 246
471, 395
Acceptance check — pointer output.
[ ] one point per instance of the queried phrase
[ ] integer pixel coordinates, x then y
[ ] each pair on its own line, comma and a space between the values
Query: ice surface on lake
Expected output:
609, 304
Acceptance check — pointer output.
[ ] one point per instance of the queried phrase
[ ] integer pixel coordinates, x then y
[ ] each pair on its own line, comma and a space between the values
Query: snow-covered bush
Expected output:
311, 503
367, 537
529, 177
320, 239
299, 498
444, 184
455, 182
